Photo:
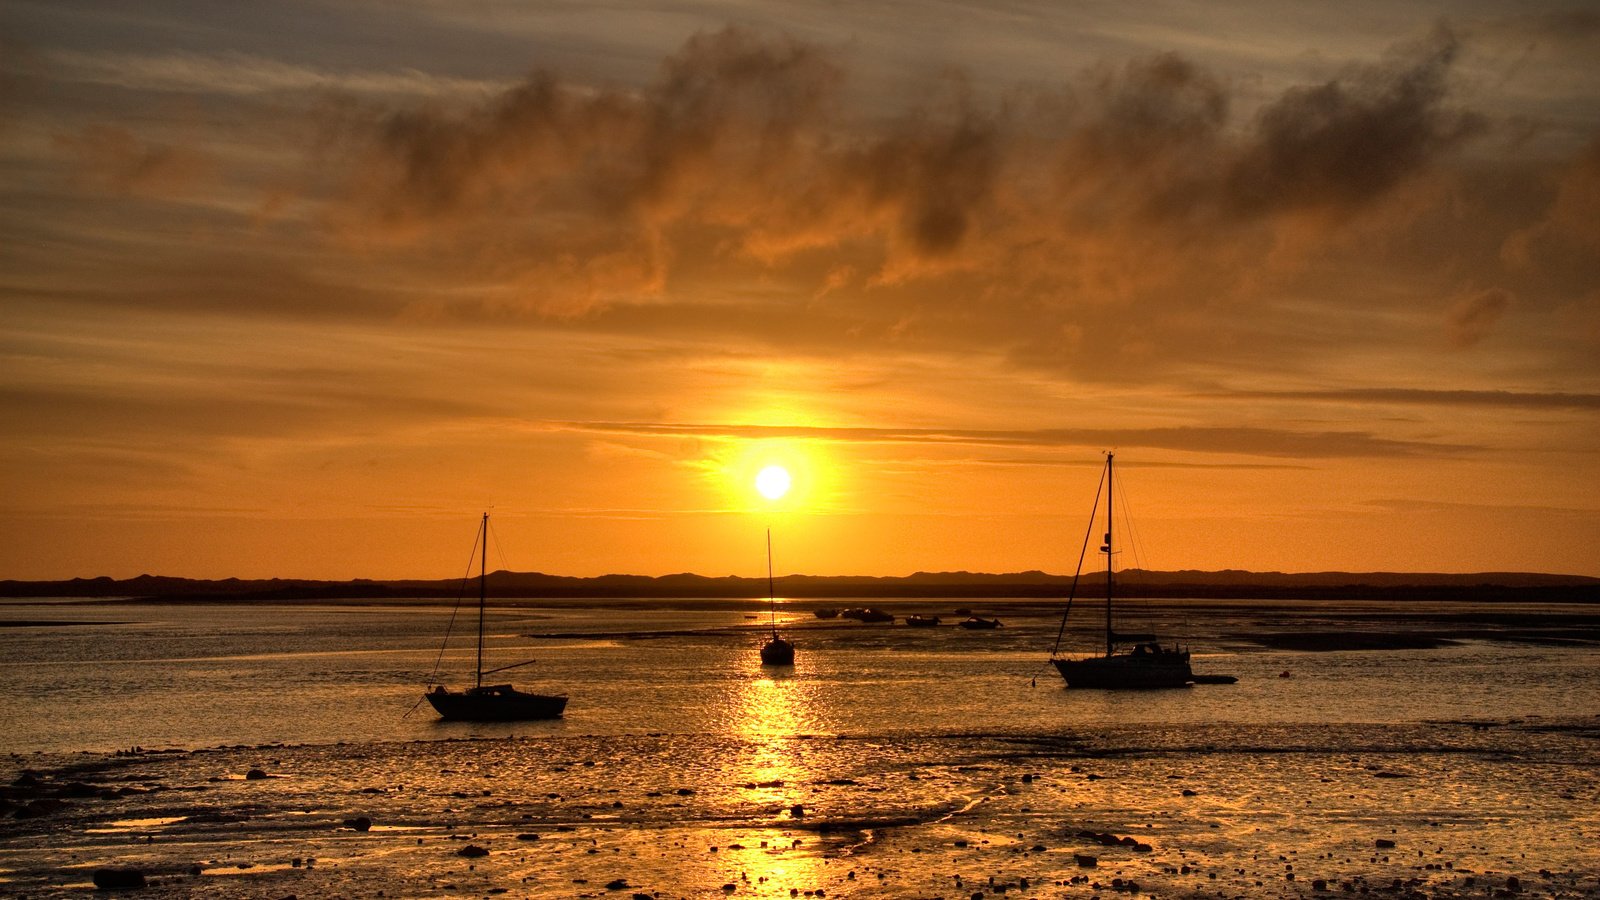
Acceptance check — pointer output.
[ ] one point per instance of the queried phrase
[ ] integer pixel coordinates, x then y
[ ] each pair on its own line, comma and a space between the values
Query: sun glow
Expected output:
773, 482
772, 477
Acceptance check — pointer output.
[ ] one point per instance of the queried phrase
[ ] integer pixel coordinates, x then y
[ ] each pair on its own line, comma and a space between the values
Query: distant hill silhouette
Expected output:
1226, 584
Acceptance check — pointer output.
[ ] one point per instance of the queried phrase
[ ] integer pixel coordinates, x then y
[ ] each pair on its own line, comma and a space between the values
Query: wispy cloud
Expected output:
244, 74
1246, 441
1426, 397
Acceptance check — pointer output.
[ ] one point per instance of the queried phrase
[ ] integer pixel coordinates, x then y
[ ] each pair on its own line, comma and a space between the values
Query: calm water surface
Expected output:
890, 762
206, 675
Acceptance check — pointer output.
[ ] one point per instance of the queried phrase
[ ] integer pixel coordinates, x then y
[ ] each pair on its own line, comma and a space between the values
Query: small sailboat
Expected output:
777, 651
492, 702
1149, 664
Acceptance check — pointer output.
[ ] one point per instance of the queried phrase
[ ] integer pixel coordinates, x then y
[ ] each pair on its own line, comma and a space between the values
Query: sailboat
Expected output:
492, 702
1148, 664
777, 651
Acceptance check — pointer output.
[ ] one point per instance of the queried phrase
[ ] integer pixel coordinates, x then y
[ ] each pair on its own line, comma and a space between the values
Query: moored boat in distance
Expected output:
826, 612
978, 623
491, 702
867, 614
922, 621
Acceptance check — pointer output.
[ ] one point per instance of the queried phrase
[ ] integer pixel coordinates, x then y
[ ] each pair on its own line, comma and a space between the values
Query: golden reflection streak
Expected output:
772, 711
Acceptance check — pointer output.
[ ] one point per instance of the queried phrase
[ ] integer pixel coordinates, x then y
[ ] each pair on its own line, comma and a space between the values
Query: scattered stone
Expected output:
118, 878
472, 851
1085, 860
1384, 843
254, 775
359, 823
617, 885
527, 836
43, 806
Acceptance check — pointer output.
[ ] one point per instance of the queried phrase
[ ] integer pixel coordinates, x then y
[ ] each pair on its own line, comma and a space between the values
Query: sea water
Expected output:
889, 761
121, 675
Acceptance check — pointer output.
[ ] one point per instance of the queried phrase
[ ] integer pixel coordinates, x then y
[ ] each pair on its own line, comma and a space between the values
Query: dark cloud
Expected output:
1347, 141
740, 154
1569, 229
1472, 318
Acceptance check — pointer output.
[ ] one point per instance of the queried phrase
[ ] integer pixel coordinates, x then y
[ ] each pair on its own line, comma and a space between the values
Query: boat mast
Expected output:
483, 592
772, 600
1110, 500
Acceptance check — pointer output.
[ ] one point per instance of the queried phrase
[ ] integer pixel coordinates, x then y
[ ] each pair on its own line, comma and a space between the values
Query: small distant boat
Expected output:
978, 623
777, 651
1149, 664
867, 614
492, 702
922, 621
826, 612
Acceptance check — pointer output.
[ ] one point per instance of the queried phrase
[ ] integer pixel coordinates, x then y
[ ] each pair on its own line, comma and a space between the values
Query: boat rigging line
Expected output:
461, 594
1083, 553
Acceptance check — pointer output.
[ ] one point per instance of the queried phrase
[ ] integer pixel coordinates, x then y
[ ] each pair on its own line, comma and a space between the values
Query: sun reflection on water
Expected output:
774, 713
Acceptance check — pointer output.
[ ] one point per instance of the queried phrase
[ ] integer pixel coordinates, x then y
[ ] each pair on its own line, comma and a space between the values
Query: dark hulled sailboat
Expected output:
1148, 664
492, 702
777, 651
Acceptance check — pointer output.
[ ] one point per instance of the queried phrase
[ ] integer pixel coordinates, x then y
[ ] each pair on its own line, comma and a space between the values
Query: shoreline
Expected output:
961, 815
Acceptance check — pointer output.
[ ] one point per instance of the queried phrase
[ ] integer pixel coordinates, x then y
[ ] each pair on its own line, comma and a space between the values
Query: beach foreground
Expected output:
1441, 809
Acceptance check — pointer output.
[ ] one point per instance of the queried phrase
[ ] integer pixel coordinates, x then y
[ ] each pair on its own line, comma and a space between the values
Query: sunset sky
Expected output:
301, 288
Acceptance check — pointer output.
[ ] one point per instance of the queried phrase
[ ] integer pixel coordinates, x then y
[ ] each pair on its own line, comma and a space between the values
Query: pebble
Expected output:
118, 878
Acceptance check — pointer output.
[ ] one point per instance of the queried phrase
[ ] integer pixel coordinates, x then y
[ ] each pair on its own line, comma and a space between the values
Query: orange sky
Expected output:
299, 290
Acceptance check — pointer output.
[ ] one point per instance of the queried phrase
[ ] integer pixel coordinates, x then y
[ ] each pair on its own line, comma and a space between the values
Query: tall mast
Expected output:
1110, 500
772, 600
483, 592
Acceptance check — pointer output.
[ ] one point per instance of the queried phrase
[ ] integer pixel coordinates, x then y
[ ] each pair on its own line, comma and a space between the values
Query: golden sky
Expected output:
299, 289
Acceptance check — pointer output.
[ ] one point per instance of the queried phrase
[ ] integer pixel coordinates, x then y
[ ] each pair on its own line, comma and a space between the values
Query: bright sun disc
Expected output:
773, 482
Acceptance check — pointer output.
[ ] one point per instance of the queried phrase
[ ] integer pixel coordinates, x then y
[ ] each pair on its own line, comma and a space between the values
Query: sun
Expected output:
773, 482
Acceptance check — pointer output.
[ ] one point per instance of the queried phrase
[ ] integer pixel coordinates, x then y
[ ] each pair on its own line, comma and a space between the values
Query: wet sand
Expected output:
1484, 808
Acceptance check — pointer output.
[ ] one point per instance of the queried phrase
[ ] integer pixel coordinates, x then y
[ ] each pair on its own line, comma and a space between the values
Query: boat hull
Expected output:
1127, 671
500, 703
777, 652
